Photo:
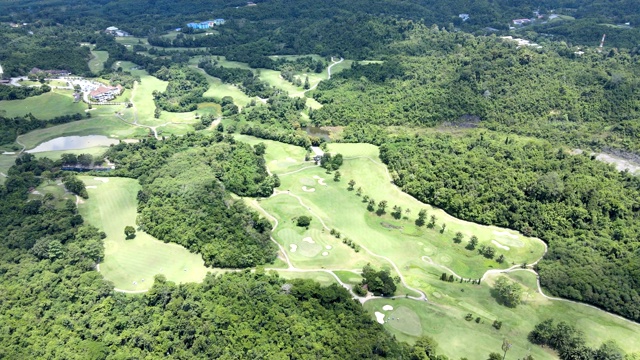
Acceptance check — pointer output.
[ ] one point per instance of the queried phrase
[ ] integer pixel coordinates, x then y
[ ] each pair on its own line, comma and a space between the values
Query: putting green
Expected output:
404, 320
132, 264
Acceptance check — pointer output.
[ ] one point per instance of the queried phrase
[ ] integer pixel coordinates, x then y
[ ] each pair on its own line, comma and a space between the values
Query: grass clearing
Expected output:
96, 64
218, 90
107, 125
322, 277
408, 245
279, 157
57, 102
6, 162
132, 264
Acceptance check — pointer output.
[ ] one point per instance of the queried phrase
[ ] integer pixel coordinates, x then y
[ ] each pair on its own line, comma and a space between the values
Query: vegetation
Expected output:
10, 128
586, 210
378, 282
508, 292
16, 93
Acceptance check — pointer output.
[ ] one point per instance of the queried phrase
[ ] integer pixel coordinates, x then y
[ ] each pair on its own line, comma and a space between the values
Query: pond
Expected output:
317, 132
74, 143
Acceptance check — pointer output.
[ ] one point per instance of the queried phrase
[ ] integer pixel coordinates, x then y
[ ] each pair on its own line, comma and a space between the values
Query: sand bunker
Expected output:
304, 188
387, 308
91, 187
328, 247
505, 233
104, 180
321, 182
293, 247
309, 240
380, 317
325, 253
291, 160
496, 243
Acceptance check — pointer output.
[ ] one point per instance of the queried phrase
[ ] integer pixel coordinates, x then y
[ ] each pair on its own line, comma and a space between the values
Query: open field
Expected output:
46, 106
107, 125
322, 277
218, 90
132, 264
96, 64
443, 319
6, 162
280, 157
420, 255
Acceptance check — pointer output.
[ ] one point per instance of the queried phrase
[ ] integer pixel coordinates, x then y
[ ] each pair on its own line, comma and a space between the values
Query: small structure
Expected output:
114, 31
105, 93
464, 17
251, 3
521, 21
206, 24
317, 154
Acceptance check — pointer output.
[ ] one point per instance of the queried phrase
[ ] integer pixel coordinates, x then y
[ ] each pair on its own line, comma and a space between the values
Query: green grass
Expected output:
218, 90
106, 125
443, 319
96, 64
46, 106
6, 162
280, 157
112, 206
322, 277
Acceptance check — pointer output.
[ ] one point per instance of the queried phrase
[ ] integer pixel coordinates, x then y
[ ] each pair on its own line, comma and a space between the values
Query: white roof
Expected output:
112, 28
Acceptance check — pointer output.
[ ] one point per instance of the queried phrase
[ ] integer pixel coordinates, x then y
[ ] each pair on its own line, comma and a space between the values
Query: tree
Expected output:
500, 259
129, 232
432, 222
508, 292
352, 183
458, 238
489, 252
422, 215
306, 83
443, 228
378, 282
359, 191
473, 242
506, 345
494, 356
85, 159
259, 148
303, 221
382, 205
336, 176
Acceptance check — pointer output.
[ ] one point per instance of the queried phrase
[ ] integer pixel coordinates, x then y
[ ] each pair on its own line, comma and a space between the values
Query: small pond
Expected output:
74, 143
317, 132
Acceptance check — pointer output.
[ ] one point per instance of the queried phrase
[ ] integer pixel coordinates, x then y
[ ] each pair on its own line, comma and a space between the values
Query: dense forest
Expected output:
17, 93
185, 196
55, 305
590, 100
586, 210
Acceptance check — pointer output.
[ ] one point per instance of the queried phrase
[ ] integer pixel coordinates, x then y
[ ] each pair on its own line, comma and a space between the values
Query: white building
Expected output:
105, 93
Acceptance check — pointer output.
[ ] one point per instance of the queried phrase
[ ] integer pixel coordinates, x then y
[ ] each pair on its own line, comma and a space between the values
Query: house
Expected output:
105, 93
121, 33
206, 24
521, 21
464, 17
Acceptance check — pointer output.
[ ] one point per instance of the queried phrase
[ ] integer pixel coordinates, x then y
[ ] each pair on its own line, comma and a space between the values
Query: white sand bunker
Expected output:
328, 247
104, 180
304, 188
91, 187
309, 240
496, 243
505, 233
291, 160
387, 308
293, 247
320, 180
325, 253
380, 317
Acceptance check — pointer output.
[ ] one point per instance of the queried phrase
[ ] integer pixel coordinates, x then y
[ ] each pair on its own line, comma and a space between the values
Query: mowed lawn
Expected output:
96, 64
46, 106
443, 318
411, 247
280, 157
107, 125
132, 264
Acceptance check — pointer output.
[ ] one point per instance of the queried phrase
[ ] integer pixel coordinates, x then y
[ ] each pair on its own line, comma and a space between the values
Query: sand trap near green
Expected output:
132, 264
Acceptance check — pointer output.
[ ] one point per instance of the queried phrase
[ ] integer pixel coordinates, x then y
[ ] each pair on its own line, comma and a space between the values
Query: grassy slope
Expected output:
46, 106
112, 206
96, 64
443, 316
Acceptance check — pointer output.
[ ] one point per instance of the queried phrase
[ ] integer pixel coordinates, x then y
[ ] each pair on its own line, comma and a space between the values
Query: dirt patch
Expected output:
390, 226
